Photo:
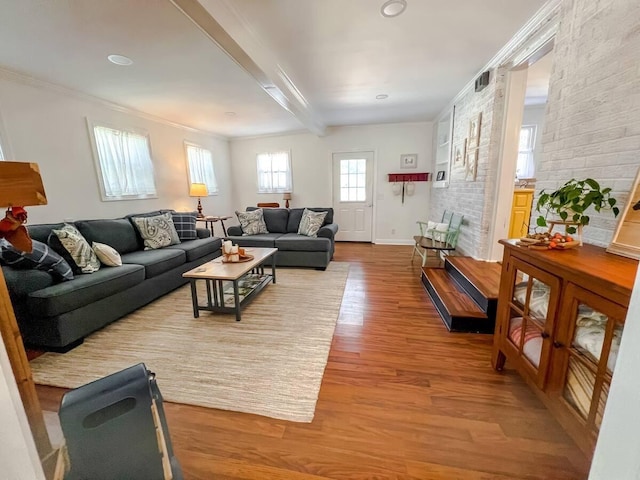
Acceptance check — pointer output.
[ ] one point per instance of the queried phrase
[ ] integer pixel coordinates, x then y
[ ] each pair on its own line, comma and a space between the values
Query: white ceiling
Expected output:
325, 60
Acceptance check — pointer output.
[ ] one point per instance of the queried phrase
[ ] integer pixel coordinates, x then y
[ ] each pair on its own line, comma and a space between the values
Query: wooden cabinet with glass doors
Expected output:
559, 322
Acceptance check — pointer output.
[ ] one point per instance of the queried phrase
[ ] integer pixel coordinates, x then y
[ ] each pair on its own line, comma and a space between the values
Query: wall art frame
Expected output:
409, 160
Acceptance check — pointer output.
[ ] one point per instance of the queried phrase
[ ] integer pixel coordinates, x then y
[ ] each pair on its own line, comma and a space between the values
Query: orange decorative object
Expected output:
12, 228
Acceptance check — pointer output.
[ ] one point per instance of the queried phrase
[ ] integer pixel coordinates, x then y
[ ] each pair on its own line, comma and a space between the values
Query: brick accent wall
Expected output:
592, 122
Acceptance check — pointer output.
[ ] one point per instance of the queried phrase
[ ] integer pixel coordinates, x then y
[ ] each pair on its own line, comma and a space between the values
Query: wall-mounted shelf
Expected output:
408, 177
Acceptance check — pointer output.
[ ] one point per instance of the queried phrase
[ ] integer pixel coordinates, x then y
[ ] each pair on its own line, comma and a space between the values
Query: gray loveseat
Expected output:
293, 250
57, 316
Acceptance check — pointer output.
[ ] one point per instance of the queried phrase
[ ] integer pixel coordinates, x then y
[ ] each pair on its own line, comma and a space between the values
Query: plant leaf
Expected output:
541, 222
616, 211
592, 183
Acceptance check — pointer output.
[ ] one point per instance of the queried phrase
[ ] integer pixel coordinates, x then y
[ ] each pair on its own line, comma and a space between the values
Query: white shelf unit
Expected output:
442, 149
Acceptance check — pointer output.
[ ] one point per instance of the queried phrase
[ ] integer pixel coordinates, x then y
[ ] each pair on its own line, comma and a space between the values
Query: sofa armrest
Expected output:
234, 231
328, 231
203, 232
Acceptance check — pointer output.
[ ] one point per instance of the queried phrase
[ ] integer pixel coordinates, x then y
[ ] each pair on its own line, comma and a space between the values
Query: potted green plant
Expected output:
571, 201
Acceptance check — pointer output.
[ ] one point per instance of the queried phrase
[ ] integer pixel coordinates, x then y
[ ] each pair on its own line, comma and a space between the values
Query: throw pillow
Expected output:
109, 256
311, 222
78, 248
157, 232
41, 258
185, 223
252, 222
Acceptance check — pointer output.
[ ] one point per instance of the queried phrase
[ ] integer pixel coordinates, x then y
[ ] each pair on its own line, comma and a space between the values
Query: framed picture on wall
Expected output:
471, 167
409, 160
459, 154
474, 131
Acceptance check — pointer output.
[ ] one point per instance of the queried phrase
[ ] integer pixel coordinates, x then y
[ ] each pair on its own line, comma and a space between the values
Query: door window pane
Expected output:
353, 180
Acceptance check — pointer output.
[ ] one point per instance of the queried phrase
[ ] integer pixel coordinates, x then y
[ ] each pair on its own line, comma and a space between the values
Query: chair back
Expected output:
446, 217
454, 229
269, 204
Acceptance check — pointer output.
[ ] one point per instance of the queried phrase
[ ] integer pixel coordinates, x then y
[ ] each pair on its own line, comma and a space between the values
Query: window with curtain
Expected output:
124, 164
201, 169
526, 167
274, 172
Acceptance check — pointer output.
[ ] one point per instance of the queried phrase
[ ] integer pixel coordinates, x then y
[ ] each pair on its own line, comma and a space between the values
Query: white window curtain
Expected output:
1, 153
274, 172
526, 167
125, 163
201, 167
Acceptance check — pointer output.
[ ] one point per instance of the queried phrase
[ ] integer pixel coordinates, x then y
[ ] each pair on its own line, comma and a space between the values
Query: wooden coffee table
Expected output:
248, 276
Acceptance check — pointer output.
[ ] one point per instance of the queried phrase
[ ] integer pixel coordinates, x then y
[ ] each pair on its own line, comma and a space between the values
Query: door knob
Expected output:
558, 344
544, 335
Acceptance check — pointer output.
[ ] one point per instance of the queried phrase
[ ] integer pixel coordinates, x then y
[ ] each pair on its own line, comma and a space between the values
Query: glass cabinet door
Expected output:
534, 299
589, 350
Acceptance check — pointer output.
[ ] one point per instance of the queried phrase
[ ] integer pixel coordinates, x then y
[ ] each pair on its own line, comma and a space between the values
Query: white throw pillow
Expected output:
440, 227
109, 256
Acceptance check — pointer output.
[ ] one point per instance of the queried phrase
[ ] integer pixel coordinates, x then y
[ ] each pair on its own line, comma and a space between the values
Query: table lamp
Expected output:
21, 186
286, 198
198, 190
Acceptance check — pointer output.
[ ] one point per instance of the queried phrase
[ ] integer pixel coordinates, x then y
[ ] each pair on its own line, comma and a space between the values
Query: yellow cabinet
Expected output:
520, 212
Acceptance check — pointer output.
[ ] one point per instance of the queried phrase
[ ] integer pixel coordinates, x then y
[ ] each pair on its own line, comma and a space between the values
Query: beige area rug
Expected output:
271, 363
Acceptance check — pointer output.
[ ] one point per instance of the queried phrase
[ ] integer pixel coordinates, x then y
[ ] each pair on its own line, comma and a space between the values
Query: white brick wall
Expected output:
592, 125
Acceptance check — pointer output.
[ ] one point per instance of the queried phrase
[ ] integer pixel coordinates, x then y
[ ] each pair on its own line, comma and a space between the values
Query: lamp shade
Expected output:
198, 190
21, 184
286, 196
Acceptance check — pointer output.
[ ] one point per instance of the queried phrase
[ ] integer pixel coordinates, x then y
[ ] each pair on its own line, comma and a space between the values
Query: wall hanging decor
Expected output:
403, 183
409, 160
474, 131
471, 164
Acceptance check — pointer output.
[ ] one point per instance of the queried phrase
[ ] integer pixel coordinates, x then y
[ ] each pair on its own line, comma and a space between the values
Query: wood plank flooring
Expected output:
401, 398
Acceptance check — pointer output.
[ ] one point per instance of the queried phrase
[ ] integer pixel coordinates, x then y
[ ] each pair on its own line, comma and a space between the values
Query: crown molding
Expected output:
24, 79
534, 34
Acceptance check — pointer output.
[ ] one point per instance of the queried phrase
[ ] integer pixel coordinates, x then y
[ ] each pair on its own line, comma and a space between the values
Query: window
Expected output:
353, 178
274, 172
526, 167
124, 164
201, 170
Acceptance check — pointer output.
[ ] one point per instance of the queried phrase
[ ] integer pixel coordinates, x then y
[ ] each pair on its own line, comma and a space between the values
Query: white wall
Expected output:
311, 158
48, 126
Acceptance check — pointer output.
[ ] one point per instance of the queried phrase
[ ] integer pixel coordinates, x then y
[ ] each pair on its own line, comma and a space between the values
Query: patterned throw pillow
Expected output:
185, 223
41, 258
311, 222
252, 222
78, 248
157, 232
109, 256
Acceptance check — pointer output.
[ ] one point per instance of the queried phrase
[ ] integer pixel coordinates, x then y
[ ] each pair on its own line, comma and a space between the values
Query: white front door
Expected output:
353, 195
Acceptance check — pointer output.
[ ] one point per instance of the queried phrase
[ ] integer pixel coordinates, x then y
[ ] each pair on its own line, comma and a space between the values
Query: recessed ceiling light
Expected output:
382, 96
393, 8
120, 60
230, 114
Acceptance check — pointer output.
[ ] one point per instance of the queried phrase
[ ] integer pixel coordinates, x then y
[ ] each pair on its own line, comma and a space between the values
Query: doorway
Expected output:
525, 105
353, 195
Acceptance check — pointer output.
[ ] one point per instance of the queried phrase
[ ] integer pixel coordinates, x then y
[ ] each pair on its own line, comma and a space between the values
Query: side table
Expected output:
210, 220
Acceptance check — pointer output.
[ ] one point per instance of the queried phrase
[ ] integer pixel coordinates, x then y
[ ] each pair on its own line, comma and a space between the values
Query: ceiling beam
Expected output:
250, 55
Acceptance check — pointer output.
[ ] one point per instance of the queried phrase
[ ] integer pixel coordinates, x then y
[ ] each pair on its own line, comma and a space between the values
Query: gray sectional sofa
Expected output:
293, 250
57, 316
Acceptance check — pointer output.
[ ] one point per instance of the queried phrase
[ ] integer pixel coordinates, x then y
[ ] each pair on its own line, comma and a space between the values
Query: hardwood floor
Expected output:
401, 398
